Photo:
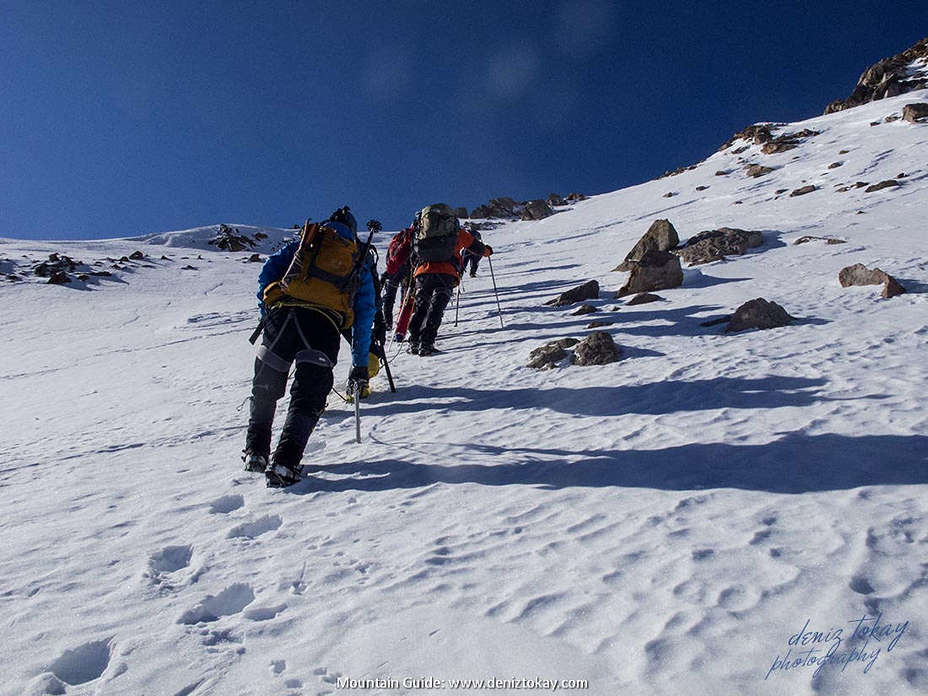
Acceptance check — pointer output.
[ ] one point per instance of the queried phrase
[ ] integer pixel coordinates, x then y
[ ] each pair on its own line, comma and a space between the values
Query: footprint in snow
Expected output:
226, 504
250, 530
230, 601
81, 664
170, 559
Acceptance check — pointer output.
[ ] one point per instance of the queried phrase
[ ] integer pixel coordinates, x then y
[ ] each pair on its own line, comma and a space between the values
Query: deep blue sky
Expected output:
123, 118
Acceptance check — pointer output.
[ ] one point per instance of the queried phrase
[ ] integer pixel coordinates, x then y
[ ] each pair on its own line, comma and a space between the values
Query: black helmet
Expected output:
344, 216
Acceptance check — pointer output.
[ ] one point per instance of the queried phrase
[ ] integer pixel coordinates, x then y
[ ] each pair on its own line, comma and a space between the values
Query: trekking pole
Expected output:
495, 292
356, 394
386, 367
457, 307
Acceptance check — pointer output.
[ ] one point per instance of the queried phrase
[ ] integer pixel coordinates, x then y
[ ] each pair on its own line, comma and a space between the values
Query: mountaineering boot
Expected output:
412, 348
281, 476
428, 349
254, 462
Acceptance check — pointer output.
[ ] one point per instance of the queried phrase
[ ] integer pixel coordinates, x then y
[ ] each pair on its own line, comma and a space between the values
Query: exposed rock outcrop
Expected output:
231, 239
536, 210
889, 78
661, 236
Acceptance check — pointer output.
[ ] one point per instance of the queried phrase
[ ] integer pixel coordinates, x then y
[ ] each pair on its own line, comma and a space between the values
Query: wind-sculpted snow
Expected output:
666, 522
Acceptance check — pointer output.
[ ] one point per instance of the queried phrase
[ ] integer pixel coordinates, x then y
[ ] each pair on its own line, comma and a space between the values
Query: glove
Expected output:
487, 250
357, 379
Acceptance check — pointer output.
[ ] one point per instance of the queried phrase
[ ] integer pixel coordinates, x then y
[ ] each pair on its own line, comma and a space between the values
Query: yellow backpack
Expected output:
323, 274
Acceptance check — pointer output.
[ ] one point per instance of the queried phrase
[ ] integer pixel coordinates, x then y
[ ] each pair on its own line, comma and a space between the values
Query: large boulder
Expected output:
657, 270
915, 112
555, 199
588, 291
758, 314
536, 210
717, 244
858, 274
887, 78
661, 236
596, 349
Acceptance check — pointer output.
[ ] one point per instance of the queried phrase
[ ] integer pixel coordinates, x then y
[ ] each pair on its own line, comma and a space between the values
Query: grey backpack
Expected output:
436, 233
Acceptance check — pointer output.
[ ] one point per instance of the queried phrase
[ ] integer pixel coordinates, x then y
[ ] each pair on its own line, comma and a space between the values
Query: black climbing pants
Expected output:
433, 292
308, 338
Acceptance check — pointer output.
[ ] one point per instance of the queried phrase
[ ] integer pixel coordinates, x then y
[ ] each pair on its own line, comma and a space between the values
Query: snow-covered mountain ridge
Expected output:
664, 523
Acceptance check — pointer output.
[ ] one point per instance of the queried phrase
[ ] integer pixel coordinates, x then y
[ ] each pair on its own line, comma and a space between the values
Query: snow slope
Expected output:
661, 525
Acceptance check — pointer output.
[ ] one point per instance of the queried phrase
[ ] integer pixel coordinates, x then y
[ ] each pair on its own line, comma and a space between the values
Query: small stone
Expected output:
669, 194
779, 191
254, 258
584, 309
803, 190
889, 183
843, 152
550, 354
701, 188
587, 291
644, 298
835, 165
136, 256
188, 267
723, 172
756, 170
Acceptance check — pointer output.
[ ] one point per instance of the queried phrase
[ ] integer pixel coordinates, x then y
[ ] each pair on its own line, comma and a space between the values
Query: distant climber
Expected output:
438, 240
469, 258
